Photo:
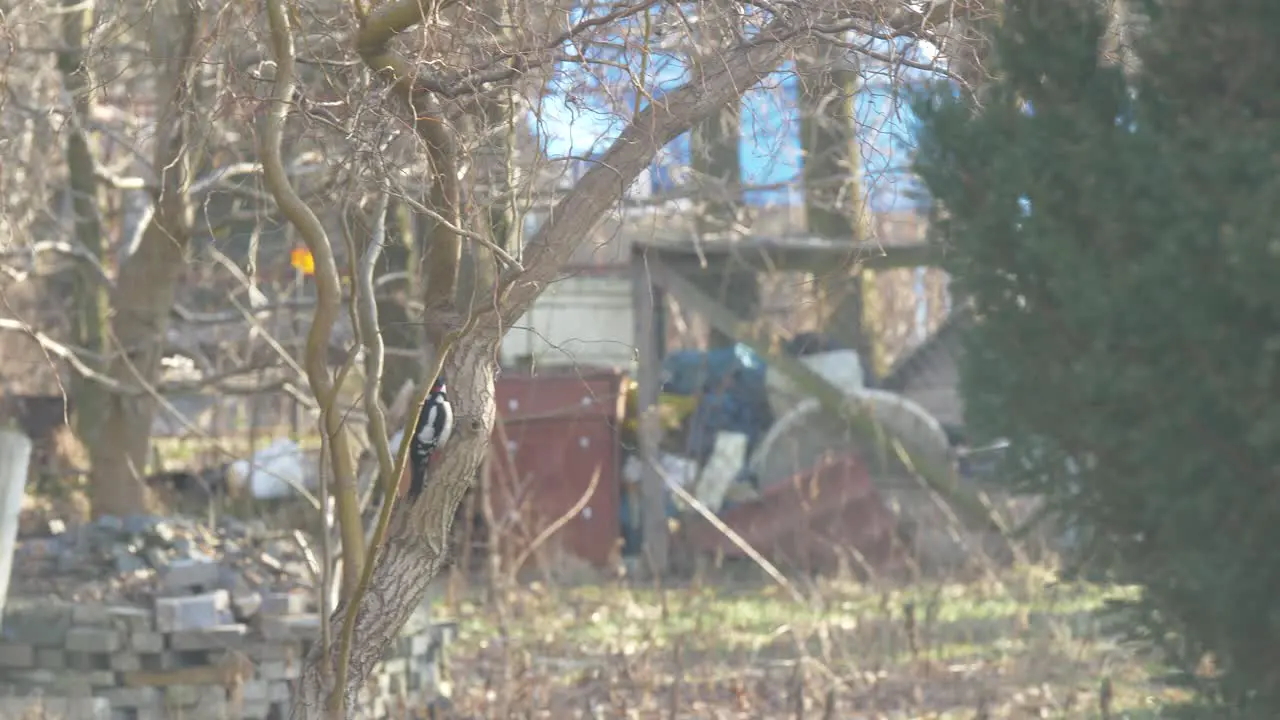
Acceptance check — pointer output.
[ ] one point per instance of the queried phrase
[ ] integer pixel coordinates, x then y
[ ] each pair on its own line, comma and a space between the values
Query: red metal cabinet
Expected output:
555, 430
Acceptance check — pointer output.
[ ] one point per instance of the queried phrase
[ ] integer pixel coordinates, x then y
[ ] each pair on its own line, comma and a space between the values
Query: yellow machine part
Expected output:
672, 409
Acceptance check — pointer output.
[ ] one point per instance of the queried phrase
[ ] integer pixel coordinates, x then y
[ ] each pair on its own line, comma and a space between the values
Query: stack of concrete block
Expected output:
210, 655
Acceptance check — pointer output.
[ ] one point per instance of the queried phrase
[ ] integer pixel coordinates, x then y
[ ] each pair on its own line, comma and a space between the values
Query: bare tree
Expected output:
431, 83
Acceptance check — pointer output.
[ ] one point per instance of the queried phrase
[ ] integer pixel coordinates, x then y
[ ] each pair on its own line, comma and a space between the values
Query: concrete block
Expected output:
163, 661
13, 655
197, 702
56, 707
256, 710
246, 603
183, 695
146, 642
42, 626
255, 691
132, 619
93, 615
290, 627
93, 639
214, 638
87, 662
274, 651
187, 573
133, 697
51, 659
33, 678
277, 604
279, 670
126, 662
196, 612
98, 678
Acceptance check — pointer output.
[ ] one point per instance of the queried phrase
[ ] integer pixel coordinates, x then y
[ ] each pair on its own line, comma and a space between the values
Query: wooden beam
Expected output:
778, 257
940, 477
653, 510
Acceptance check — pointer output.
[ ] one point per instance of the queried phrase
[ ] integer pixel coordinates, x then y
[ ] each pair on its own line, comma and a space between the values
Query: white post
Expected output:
15, 456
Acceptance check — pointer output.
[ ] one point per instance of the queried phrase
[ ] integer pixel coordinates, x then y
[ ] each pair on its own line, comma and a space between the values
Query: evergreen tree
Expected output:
1118, 239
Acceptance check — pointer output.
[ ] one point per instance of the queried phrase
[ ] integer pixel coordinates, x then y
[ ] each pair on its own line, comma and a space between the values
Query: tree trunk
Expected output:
398, 330
834, 198
715, 155
84, 284
145, 285
416, 549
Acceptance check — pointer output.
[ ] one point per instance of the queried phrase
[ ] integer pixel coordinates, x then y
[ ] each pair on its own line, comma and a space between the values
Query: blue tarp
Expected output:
732, 383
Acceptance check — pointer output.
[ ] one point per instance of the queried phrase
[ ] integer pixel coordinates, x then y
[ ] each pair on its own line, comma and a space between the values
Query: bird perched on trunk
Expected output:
434, 426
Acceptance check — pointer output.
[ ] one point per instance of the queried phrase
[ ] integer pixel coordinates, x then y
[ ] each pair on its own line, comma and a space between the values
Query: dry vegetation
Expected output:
1021, 645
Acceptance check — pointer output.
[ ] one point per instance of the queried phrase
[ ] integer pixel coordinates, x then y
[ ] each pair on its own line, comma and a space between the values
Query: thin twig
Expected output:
560, 522
728, 532
493, 247
370, 336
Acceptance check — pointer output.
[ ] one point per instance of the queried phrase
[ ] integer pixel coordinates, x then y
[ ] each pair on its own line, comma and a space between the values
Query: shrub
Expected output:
1118, 239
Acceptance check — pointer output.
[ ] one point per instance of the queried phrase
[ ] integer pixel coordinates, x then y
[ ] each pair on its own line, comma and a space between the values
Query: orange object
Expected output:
302, 259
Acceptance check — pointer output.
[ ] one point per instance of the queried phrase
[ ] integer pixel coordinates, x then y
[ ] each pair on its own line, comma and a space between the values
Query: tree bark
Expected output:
416, 549
398, 331
145, 285
833, 208
84, 284
714, 149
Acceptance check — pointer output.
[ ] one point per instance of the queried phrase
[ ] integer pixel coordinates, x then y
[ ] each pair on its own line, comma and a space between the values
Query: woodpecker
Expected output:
434, 426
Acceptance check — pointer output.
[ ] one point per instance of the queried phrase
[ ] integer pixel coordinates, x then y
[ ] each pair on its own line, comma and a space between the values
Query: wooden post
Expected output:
653, 512
15, 456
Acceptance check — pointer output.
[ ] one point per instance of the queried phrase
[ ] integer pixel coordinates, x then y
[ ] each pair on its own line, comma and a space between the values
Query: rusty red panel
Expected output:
555, 432
808, 521
557, 394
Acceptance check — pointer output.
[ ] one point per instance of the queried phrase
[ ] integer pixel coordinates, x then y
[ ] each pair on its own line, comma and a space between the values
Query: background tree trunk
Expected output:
714, 150
398, 329
84, 284
145, 285
834, 198
715, 156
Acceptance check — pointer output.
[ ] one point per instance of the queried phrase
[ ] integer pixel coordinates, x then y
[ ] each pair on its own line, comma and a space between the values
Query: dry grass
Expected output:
1020, 646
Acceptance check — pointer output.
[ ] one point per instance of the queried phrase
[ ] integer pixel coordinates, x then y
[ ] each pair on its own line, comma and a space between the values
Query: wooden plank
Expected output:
15, 459
941, 478
653, 512
772, 255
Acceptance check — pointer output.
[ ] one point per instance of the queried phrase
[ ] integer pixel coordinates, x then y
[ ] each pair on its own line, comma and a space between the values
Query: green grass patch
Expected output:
1023, 646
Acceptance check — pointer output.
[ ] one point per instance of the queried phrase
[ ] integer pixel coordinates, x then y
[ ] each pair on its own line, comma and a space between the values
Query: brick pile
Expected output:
185, 633
189, 658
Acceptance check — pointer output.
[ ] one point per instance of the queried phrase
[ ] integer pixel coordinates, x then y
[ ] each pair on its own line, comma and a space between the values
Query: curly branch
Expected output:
444, 245
328, 287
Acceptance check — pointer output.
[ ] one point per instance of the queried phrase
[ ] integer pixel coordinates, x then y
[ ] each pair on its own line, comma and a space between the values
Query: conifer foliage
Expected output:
1118, 239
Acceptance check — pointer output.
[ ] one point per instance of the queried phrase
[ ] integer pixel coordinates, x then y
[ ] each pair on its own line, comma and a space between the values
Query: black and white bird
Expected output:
434, 426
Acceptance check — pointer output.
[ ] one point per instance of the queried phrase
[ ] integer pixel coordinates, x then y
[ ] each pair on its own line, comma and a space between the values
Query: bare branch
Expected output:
662, 121
62, 352
328, 288
488, 244
444, 246
370, 335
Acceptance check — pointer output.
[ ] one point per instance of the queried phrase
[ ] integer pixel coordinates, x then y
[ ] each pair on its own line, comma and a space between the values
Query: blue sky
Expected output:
584, 113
